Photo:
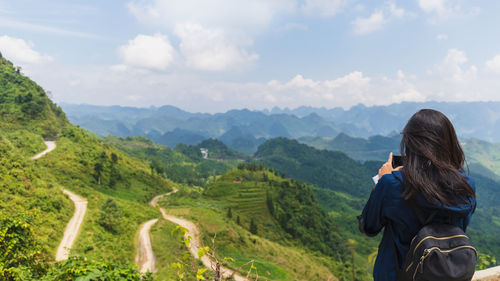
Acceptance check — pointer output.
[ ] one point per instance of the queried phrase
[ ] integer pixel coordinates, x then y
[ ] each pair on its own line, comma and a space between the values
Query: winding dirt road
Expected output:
145, 256
73, 226
193, 231
51, 145
195, 245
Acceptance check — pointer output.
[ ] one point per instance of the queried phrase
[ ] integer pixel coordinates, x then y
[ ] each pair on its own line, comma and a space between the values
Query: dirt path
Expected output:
73, 226
194, 232
145, 256
195, 245
492, 273
51, 145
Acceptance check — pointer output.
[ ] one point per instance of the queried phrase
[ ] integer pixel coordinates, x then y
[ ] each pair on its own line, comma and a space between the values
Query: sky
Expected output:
216, 55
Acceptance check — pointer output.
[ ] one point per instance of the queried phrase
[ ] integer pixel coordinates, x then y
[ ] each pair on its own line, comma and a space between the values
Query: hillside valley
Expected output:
265, 205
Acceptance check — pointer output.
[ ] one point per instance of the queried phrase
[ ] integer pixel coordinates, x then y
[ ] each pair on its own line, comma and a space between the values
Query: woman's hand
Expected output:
387, 167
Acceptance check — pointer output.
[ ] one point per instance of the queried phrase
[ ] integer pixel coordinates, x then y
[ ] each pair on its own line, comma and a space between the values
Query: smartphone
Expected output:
397, 160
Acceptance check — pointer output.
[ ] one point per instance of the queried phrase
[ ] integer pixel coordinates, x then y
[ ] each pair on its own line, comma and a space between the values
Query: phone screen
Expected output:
397, 160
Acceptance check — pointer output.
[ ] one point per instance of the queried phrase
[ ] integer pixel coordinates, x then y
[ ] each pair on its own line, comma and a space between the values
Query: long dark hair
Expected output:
433, 159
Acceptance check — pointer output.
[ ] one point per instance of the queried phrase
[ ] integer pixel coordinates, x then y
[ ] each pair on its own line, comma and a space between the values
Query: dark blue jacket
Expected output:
387, 209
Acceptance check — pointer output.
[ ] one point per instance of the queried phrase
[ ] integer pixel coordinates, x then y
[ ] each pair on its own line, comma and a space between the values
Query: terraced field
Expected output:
251, 200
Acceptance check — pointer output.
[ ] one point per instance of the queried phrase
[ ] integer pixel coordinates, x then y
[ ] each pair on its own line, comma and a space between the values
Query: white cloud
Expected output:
493, 65
20, 51
379, 18
438, 6
453, 79
444, 9
144, 51
395, 11
207, 49
366, 25
213, 13
323, 8
453, 67
441, 37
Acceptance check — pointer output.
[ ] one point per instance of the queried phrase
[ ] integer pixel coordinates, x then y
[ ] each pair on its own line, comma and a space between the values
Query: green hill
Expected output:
31, 190
256, 214
373, 148
24, 104
184, 164
332, 170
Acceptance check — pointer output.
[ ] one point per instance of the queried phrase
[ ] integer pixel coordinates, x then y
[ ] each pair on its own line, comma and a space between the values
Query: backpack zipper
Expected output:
429, 250
437, 238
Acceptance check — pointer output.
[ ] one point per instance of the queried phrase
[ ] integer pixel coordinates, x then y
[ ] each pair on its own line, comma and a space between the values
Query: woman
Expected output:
431, 180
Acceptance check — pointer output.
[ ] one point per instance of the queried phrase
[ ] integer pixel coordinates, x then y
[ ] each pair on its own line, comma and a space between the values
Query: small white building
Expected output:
204, 153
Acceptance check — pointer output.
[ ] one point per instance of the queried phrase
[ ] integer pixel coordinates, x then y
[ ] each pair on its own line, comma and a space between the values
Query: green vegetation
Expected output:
184, 164
332, 170
373, 148
275, 259
116, 186
170, 249
24, 104
275, 209
22, 259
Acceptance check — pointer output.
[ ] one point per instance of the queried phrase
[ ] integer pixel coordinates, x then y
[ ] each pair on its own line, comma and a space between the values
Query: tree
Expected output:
110, 216
114, 158
238, 221
270, 204
229, 213
114, 176
253, 227
98, 168
20, 252
241, 166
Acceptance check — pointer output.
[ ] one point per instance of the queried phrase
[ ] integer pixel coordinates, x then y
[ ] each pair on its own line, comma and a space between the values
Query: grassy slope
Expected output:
23, 188
27, 116
485, 153
182, 165
273, 260
71, 165
170, 249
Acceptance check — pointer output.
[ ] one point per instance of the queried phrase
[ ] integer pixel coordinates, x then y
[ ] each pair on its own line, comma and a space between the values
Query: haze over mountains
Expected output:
245, 130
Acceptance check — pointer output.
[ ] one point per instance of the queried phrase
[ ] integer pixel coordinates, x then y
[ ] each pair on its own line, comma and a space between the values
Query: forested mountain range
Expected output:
245, 130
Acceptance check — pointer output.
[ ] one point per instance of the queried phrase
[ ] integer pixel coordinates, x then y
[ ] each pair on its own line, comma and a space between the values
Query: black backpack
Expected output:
439, 252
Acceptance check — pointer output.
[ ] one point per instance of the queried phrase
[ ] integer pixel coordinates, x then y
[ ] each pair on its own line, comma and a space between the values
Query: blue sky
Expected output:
214, 55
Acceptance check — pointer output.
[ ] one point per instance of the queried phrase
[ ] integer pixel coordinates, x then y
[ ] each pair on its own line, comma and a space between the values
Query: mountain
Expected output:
373, 148
24, 104
184, 164
471, 119
478, 120
327, 169
242, 130
34, 210
252, 213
